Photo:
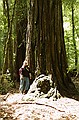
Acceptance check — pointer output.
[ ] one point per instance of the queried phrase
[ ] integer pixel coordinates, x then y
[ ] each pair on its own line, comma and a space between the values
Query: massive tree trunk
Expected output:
47, 43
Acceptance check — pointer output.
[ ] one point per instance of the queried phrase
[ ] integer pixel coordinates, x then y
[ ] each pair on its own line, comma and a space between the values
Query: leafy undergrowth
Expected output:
7, 85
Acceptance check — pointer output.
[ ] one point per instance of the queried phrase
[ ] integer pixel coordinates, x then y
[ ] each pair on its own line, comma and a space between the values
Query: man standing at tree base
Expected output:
24, 77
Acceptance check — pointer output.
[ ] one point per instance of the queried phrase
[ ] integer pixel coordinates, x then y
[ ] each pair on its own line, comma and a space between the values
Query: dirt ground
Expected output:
14, 106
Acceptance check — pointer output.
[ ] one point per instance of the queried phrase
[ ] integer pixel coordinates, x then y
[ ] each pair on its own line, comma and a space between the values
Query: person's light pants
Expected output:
24, 84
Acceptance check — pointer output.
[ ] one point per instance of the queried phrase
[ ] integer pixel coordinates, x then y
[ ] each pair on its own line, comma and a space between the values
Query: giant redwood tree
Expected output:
47, 52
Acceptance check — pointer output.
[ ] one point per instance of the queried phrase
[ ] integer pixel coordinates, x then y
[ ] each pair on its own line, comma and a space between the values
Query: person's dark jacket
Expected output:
25, 71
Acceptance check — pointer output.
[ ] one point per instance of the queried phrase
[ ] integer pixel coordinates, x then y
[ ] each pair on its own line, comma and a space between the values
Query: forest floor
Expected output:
13, 106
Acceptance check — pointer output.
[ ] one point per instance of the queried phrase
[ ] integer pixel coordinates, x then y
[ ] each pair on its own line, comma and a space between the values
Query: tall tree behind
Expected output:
5, 38
73, 34
70, 21
21, 24
8, 51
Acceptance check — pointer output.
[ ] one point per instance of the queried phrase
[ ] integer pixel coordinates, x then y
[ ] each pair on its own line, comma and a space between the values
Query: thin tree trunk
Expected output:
73, 33
8, 46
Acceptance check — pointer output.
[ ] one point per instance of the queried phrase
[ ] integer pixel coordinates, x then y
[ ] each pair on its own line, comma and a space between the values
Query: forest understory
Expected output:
16, 106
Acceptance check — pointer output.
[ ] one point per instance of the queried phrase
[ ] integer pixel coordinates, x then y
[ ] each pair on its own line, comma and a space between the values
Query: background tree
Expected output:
21, 27
70, 26
1, 35
8, 48
73, 34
